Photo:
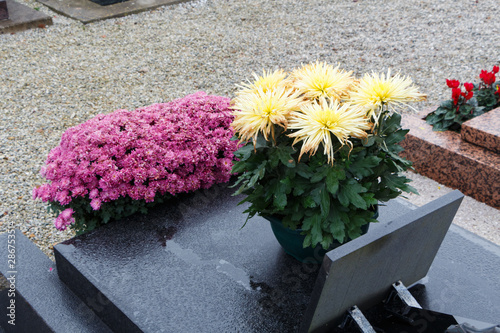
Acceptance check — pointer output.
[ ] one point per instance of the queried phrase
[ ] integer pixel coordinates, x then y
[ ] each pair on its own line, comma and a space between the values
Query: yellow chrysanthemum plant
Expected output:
320, 148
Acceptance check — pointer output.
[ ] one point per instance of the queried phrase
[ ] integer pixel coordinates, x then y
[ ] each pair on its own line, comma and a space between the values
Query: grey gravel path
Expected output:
54, 78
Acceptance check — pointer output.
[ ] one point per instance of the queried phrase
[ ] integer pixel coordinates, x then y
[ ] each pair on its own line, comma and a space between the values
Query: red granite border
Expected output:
484, 130
451, 161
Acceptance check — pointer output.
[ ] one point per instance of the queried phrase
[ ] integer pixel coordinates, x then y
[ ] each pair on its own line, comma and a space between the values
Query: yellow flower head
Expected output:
259, 111
317, 121
268, 81
321, 80
374, 90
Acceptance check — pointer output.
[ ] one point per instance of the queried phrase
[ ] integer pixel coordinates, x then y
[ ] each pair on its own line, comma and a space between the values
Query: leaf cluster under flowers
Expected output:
476, 100
328, 202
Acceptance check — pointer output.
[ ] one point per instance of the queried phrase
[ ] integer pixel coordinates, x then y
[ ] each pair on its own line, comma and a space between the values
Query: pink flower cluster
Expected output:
172, 147
64, 219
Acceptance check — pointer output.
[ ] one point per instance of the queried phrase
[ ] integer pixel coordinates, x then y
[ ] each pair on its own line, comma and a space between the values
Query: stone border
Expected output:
484, 130
22, 17
451, 161
87, 11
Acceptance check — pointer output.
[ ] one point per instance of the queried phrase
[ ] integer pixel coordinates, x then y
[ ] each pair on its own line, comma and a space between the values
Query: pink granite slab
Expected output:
484, 130
451, 161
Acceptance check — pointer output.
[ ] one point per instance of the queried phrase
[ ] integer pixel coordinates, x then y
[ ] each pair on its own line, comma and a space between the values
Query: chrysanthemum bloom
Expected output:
321, 80
316, 123
374, 90
268, 81
258, 111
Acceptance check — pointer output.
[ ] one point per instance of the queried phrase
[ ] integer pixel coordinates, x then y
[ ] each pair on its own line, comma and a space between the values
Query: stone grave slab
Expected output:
187, 266
4, 11
87, 11
22, 17
42, 302
483, 131
451, 161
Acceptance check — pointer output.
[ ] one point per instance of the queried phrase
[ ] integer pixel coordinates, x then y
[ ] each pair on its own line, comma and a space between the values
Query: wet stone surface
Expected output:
189, 266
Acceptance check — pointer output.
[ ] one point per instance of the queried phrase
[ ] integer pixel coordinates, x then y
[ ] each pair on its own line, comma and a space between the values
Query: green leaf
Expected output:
326, 241
244, 152
284, 154
300, 186
364, 167
320, 174
325, 202
448, 104
279, 200
308, 202
396, 137
392, 123
307, 241
337, 227
304, 170
369, 141
316, 231
239, 166
309, 222
350, 194
335, 174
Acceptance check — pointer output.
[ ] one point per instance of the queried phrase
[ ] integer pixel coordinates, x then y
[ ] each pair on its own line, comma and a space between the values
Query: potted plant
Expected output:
320, 150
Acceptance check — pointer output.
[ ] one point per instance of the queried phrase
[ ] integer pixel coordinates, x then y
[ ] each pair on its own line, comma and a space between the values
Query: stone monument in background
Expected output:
4, 12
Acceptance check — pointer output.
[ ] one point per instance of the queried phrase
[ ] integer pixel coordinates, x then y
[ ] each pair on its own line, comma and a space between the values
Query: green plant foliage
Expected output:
328, 202
463, 106
87, 219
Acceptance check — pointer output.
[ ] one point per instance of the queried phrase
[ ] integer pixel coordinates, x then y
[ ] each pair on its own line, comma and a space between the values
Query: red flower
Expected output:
468, 86
455, 95
453, 83
487, 77
468, 95
495, 69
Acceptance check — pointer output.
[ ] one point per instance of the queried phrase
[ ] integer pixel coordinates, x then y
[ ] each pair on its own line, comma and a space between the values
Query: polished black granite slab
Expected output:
42, 302
188, 267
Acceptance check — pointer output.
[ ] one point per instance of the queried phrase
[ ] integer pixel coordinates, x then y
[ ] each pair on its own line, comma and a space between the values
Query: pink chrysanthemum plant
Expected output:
321, 148
124, 162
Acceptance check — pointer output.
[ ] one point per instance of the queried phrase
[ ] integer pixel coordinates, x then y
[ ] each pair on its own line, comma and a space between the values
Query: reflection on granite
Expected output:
451, 161
484, 130
22, 17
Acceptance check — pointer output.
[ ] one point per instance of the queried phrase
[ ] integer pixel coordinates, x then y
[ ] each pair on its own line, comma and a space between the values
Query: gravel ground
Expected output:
57, 77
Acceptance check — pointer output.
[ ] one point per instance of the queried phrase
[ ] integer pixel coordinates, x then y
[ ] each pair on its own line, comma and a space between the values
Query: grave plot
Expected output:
187, 266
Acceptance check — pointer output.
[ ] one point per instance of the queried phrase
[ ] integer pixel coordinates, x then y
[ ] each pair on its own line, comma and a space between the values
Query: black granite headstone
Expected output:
4, 11
362, 271
107, 2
